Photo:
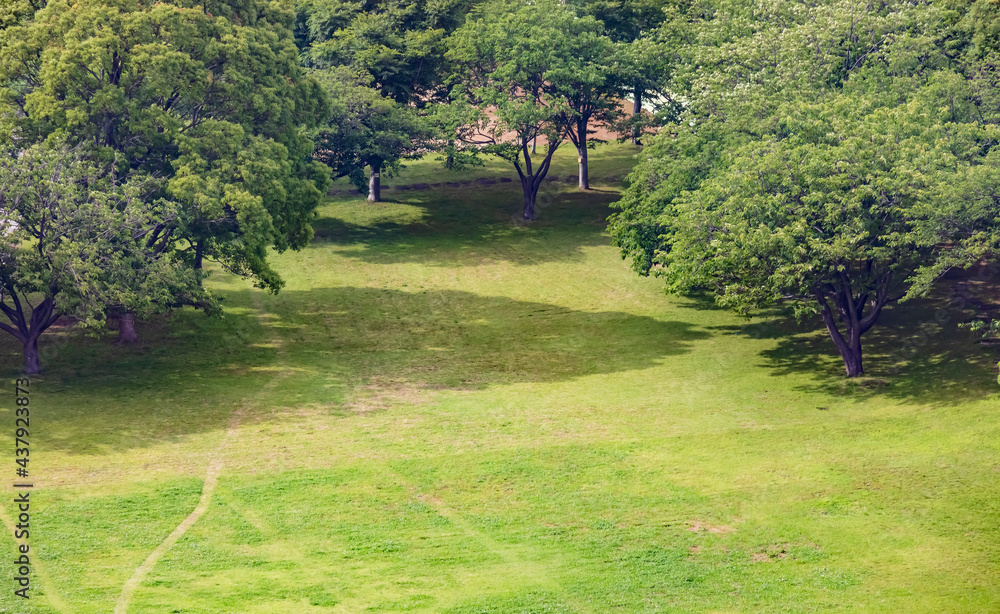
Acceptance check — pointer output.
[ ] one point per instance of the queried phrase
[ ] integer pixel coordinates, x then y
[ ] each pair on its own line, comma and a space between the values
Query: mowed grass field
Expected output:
448, 410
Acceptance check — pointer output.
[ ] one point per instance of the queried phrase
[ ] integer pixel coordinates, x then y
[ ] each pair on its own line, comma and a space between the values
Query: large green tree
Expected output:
817, 166
74, 241
831, 219
365, 50
366, 130
208, 97
521, 65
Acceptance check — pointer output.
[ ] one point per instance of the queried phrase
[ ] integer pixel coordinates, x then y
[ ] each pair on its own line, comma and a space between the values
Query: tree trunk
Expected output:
126, 329
581, 153
636, 111
27, 329
449, 157
375, 185
852, 362
532, 176
850, 352
849, 349
529, 197
199, 257
32, 366
534, 143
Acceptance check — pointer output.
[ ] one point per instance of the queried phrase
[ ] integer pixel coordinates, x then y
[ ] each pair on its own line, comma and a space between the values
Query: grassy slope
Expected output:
449, 411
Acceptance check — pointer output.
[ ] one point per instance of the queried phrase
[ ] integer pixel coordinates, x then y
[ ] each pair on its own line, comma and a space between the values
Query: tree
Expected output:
518, 64
827, 219
75, 241
209, 99
644, 47
366, 130
819, 165
591, 90
396, 50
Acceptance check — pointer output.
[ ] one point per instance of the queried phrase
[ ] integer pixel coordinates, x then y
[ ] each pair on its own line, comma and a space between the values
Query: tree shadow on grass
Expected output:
916, 352
470, 225
319, 348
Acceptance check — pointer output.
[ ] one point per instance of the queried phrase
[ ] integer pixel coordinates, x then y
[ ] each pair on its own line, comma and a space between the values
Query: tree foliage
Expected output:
401, 44
834, 157
209, 98
75, 240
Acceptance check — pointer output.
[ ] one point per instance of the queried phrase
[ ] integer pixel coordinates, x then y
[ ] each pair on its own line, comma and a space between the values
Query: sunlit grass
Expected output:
448, 410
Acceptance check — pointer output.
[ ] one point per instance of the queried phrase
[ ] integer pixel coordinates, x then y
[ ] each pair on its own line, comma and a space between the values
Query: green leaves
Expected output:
86, 240
210, 98
832, 159
401, 45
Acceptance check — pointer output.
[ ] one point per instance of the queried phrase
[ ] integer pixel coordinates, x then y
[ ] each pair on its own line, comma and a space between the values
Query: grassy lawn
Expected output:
447, 410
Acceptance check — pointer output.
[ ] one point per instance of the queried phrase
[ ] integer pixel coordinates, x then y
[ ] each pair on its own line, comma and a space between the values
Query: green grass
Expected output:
614, 161
447, 410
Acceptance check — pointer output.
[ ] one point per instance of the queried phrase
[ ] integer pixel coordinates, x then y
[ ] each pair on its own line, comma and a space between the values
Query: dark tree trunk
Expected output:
852, 362
849, 349
532, 175
126, 329
529, 197
199, 258
27, 329
636, 111
375, 185
581, 153
854, 322
32, 365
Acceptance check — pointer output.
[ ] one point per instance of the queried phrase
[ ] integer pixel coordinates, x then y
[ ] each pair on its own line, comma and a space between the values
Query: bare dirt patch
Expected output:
719, 529
777, 552
384, 393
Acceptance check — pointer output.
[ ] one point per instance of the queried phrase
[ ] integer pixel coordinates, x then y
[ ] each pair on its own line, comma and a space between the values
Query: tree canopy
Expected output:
818, 165
518, 68
400, 44
209, 97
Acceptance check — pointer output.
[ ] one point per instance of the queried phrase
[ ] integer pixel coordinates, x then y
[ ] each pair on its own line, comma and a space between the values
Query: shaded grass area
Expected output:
449, 411
611, 162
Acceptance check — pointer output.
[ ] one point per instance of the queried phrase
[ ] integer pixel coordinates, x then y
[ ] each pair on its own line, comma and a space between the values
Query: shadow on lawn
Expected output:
916, 352
323, 346
460, 339
477, 225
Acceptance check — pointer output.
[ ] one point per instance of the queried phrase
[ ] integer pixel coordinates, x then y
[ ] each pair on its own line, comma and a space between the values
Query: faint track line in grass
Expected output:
506, 554
211, 480
215, 467
43, 575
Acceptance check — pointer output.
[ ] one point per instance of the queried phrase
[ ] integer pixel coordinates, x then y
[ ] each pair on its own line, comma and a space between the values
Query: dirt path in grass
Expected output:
211, 480
215, 468
531, 571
